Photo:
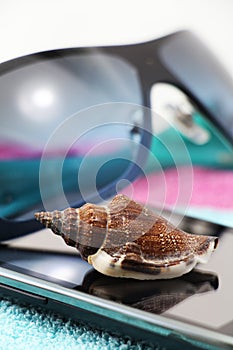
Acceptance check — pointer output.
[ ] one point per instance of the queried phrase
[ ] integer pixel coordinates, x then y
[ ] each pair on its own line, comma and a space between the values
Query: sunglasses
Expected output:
76, 123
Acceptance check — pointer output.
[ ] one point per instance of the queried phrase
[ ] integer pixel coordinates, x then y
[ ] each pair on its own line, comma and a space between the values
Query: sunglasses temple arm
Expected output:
10, 229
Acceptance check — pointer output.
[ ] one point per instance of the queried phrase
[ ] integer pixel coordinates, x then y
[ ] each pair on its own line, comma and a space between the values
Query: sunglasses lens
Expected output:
197, 68
65, 119
98, 147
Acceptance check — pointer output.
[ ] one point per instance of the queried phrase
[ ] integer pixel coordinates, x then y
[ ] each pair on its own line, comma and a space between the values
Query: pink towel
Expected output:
186, 187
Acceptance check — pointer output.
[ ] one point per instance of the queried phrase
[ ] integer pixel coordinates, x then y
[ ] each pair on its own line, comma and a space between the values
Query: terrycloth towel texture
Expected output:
27, 328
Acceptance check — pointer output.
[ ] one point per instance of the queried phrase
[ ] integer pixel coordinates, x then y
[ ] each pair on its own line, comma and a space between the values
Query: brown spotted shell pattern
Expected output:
126, 239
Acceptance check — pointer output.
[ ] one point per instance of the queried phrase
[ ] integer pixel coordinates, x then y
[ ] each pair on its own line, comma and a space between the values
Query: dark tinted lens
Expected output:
97, 152
196, 67
37, 96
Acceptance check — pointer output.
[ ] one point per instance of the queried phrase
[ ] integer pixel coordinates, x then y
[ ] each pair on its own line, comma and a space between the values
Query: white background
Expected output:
29, 26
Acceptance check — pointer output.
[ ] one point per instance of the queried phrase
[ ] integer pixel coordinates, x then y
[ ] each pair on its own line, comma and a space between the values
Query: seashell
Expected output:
126, 239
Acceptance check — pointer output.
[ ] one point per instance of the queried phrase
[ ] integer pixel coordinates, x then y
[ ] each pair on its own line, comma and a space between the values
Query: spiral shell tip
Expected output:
37, 216
44, 218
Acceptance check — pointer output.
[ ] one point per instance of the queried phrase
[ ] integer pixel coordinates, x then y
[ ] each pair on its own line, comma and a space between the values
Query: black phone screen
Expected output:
202, 297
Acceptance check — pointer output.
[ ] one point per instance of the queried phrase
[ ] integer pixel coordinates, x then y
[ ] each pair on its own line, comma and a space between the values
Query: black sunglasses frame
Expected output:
148, 60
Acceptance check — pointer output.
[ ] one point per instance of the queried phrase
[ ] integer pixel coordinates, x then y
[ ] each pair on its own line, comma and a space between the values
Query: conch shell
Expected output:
126, 239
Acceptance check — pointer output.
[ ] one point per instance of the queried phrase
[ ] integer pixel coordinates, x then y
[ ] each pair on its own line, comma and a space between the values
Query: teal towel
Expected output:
23, 327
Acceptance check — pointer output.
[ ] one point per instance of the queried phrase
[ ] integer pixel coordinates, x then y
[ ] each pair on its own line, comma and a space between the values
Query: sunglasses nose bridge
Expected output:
178, 111
185, 123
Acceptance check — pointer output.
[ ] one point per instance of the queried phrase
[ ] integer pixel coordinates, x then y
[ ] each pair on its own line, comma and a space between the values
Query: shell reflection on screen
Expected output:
126, 239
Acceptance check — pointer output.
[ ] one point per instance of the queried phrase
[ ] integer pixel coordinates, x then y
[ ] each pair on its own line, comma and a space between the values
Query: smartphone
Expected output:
190, 312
